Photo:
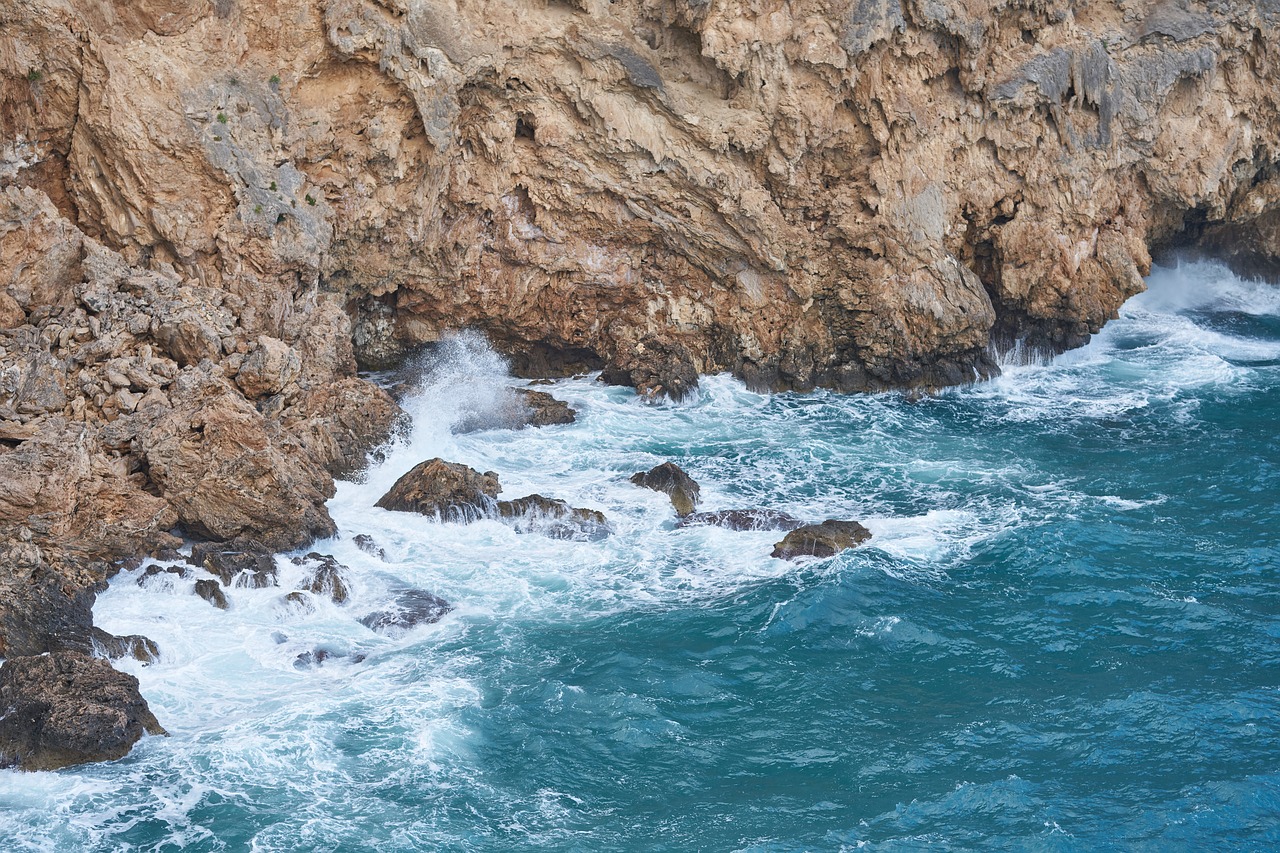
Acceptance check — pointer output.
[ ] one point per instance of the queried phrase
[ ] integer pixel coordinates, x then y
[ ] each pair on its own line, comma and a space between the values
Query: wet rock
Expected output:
448, 490
67, 708
327, 577
670, 479
298, 602
821, 540
211, 592
153, 571
554, 518
655, 367
133, 646
317, 657
411, 608
366, 543
518, 408
245, 564
43, 611
743, 519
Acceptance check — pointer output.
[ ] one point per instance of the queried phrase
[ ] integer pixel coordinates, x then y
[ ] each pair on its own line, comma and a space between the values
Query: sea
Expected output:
1063, 635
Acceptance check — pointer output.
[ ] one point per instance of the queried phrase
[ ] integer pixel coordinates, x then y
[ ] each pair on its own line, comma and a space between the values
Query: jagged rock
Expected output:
554, 518
341, 422
544, 409
133, 646
743, 519
40, 609
211, 591
671, 479
411, 608
244, 563
271, 366
365, 543
655, 368
327, 577
448, 490
66, 708
518, 408
821, 540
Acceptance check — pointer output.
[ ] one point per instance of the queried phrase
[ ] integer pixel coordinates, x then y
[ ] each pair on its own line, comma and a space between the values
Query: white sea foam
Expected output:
240, 712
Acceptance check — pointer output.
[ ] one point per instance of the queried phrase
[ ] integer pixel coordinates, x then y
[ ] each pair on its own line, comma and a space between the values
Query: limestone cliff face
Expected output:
213, 209
851, 193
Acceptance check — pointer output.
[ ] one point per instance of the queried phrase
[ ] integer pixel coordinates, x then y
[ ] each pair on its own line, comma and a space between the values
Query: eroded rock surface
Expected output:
66, 708
411, 608
670, 479
821, 540
448, 490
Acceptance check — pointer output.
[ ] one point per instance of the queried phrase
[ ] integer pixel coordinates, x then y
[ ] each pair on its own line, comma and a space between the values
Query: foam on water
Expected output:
588, 663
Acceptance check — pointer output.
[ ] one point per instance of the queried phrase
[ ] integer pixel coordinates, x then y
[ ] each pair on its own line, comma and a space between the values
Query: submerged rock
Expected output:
211, 592
821, 540
318, 656
545, 410
554, 518
743, 519
245, 563
327, 577
671, 479
411, 608
133, 646
67, 708
298, 602
448, 490
366, 543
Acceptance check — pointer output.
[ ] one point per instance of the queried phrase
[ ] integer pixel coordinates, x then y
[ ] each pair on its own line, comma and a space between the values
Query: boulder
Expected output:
298, 603
743, 519
134, 646
411, 608
554, 518
67, 708
244, 563
517, 408
210, 591
270, 367
671, 479
447, 490
327, 577
821, 540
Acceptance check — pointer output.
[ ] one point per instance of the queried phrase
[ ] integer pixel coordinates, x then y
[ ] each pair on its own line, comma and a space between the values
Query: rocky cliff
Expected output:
213, 211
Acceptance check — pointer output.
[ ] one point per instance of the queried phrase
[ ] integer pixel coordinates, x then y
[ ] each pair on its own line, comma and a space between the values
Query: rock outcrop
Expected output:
670, 479
409, 609
66, 708
821, 540
743, 519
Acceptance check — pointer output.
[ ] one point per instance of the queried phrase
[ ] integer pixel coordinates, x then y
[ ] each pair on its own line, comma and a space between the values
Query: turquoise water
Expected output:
1064, 635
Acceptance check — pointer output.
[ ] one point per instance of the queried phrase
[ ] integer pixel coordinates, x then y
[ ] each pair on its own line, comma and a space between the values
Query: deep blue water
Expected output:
1064, 635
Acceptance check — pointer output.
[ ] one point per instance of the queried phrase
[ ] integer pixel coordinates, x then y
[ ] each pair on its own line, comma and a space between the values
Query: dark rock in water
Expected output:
671, 479
743, 519
554, 518
544, 409
821, 540
299, 601
445, 489
411, 608
327, 576
365, 543
244, 563
654, 367
133, 646
211, 592
166, 555
68, 708
40, 611
155, 571
316, 657
518, 408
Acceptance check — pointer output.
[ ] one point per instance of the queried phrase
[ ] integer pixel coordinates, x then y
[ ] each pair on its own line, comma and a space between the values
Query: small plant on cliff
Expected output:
35, 75
257, 208
273, 186
222, 118
311, 201
275, 79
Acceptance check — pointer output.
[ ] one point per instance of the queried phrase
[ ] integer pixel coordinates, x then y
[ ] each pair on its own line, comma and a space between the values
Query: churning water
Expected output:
1065, 634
